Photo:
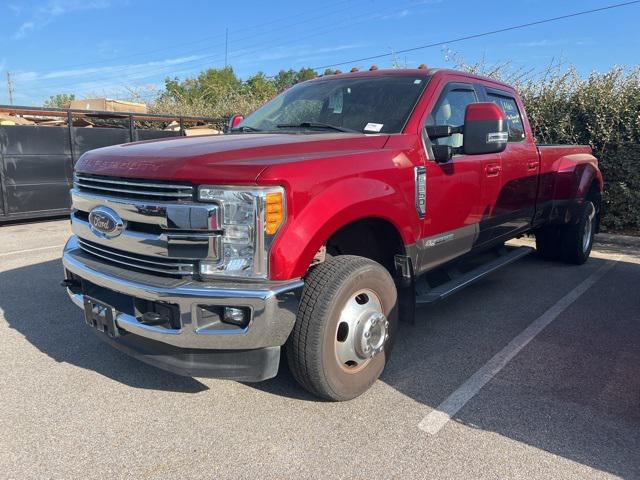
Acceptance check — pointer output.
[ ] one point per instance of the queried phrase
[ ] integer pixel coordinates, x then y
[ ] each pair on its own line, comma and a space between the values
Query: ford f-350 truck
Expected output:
317, 223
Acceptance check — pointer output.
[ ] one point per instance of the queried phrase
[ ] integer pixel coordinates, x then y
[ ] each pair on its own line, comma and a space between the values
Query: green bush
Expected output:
603, 111
621, 170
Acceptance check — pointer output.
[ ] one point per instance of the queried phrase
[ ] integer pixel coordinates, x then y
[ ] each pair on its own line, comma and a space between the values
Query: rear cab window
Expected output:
511, 110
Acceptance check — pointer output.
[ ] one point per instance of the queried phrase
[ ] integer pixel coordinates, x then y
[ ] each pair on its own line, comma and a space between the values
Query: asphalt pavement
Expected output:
533, 372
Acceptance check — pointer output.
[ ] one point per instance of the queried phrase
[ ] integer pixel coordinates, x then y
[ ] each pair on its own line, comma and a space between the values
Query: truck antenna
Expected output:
226, 45
10, 88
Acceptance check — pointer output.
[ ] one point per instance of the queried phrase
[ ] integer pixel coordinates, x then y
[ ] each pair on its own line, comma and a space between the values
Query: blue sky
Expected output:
105, 47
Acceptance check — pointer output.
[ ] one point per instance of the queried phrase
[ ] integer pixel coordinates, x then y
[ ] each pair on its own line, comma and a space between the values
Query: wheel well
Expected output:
373, 238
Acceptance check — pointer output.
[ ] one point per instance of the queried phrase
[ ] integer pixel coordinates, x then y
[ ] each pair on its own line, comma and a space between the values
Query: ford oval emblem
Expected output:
105, 223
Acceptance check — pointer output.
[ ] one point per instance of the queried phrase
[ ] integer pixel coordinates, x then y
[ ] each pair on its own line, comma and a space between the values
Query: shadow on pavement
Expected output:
574, 391
37, 306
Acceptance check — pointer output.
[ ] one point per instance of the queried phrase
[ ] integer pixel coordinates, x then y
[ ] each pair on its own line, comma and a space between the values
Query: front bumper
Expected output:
191, 347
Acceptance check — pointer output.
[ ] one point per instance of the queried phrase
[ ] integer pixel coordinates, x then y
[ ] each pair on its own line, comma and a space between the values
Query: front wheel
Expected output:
345, 327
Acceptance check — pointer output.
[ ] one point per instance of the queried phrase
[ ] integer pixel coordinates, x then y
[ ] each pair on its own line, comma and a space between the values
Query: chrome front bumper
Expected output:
273, 306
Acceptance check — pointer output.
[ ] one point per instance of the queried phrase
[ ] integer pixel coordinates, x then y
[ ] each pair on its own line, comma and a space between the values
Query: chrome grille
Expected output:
142, 262
132, 188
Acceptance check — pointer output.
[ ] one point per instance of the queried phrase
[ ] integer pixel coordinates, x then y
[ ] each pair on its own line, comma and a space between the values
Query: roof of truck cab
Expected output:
412, 72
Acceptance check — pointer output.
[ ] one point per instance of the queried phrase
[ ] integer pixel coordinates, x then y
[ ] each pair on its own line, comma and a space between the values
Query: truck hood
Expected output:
219, 159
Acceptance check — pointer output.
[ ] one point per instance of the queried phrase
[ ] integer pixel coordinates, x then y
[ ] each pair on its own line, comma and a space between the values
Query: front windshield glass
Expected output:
375, 104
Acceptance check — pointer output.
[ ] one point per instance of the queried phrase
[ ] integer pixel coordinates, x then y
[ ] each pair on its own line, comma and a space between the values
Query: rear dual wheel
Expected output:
345, 327
569, 243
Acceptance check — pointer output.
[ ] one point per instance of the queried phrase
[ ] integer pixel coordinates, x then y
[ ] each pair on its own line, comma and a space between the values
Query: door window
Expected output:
450, 110
514, 119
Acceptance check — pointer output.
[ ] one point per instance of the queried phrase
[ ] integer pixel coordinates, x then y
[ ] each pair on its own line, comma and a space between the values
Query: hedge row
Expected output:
621, 169
603, 111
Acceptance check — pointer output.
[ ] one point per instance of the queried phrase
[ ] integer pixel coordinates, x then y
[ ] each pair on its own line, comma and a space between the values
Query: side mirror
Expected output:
485, 129
441, 131
235, 120
442, 153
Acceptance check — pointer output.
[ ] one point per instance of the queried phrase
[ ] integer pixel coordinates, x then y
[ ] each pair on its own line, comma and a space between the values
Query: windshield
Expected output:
380, 104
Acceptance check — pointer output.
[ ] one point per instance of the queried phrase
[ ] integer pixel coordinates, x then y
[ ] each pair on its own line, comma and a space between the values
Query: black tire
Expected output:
311, 347
548, 243
576, 240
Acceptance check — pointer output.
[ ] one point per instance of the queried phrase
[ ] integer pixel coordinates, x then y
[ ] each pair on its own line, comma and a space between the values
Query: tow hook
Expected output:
154, 318
69, 283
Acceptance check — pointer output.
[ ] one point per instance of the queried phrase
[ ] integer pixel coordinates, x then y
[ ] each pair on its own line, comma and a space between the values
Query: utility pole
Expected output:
10, 88
226, 45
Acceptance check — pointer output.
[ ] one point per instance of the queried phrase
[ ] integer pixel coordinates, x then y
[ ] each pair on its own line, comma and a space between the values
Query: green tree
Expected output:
305, 74
287, 78
261, 87
209, 86
284, 79
61, 100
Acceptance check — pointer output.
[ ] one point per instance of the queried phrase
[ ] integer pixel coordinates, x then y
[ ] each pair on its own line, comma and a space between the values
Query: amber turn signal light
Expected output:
274, 212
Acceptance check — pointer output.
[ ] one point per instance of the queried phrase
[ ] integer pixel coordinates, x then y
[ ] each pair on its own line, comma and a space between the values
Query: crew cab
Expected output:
317, 223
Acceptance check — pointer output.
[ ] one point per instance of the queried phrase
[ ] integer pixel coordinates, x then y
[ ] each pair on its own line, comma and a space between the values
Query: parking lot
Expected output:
531, 373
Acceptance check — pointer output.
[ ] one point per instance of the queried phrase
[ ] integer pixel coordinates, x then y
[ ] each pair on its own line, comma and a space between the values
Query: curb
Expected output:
609, 238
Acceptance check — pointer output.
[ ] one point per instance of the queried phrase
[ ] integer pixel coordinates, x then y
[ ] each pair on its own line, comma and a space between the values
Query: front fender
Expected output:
339, 204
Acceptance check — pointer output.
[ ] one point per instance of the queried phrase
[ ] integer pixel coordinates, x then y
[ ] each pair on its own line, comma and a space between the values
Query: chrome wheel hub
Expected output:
362, 331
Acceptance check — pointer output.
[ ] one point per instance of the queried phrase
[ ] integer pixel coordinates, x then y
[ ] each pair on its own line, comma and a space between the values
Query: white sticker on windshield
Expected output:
373, 127
417, 81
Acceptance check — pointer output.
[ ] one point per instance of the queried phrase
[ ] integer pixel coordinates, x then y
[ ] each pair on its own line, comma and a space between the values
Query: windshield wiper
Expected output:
325, 126
245, 128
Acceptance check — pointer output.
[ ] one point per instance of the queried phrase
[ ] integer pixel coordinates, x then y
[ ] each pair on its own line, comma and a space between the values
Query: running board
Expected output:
427, 296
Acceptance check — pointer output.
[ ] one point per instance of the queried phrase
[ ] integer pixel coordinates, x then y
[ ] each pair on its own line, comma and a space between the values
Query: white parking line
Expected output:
440, 416
30, 250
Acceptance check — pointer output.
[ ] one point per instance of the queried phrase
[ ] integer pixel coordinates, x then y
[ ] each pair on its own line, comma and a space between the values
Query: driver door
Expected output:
460, 192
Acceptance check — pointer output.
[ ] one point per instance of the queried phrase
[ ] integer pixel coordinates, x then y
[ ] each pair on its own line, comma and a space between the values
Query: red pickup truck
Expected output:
317, 223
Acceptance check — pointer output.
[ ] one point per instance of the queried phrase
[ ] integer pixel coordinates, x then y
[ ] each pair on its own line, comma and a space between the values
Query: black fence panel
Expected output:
153, 134
35, 170
85, 139
36, 162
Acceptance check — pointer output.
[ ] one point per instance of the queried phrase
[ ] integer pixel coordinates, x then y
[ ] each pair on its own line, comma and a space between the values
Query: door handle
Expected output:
532, 165
493, 170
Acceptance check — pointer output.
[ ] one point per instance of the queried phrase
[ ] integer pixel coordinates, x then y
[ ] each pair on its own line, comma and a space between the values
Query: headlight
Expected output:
250, 220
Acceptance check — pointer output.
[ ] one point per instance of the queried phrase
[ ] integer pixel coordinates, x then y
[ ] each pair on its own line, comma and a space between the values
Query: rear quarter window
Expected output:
514, 118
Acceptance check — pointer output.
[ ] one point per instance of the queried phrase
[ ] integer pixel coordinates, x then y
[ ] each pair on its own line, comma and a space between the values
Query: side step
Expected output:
426, 295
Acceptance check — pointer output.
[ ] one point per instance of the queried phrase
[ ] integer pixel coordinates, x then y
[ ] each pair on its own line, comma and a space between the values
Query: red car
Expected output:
317, 223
